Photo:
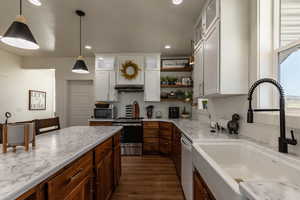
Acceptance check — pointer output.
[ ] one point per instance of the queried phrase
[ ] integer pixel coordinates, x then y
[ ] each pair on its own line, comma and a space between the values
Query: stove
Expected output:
132, 135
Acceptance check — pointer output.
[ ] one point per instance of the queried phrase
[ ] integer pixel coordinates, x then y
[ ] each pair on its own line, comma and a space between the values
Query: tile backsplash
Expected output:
126, 98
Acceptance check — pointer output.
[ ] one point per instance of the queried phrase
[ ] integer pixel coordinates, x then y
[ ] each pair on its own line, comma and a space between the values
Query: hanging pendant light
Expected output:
19, 35
80, 66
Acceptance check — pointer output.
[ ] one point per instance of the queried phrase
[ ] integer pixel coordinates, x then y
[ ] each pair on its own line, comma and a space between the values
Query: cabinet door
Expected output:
152, 85
211, 13
198, 72
109, 175
117, 165
100, 181
211, 62
82, 191
106, 63
104, 84
152, 62
101, 84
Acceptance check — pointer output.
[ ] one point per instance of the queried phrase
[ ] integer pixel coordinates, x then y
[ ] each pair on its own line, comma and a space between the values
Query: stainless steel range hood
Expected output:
129, 88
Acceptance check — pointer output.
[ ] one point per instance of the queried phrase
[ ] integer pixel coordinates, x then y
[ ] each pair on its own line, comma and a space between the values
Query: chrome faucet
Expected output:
282, 140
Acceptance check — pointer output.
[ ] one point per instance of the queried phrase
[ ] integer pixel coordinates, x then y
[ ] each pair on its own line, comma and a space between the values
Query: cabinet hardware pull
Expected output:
75, 176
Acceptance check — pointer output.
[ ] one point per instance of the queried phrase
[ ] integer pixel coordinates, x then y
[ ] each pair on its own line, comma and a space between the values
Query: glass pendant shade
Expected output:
80, 67
19, 35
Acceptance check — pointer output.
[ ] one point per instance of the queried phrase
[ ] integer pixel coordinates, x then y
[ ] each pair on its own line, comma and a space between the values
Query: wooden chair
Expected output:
46, 125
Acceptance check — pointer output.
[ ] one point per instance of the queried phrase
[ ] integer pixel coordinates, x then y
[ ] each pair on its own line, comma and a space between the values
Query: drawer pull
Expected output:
75, 176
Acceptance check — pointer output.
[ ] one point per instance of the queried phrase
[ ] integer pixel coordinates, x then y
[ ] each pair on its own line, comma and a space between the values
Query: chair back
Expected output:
46, 125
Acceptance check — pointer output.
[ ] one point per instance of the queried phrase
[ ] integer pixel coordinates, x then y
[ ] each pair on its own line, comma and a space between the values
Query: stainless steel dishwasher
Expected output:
187, 168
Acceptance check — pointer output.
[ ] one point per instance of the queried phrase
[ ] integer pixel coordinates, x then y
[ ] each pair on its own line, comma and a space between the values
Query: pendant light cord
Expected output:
21, 8
80, 37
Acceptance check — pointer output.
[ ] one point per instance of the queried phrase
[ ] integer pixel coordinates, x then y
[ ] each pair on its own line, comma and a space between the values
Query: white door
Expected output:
152, 85
211, 62
80, 102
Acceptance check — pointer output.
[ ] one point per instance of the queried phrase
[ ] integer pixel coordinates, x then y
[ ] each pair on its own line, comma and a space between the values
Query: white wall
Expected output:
63, 73
15, 84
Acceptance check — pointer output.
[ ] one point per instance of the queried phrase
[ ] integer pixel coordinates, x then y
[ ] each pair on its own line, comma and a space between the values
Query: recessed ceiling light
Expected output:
88, 47
167, 47
35, 2
100, 58
177, 2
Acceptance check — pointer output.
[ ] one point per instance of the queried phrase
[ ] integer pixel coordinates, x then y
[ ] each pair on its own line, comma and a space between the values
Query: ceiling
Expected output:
110, 26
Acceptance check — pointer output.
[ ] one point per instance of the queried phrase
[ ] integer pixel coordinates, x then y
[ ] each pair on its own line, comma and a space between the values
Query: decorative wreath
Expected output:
130, 70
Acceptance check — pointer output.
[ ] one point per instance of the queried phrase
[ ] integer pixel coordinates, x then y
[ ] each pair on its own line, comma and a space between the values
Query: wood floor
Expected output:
148, 178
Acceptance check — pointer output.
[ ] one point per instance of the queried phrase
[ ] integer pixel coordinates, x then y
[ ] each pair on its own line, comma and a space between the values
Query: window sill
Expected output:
272, 118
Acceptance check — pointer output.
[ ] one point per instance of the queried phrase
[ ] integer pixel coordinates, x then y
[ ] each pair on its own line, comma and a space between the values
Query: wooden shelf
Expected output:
174, 100
176, 86
185, 69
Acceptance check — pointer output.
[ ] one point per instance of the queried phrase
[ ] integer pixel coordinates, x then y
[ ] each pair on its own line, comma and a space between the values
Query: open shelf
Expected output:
174, 100
185, 69
176, 86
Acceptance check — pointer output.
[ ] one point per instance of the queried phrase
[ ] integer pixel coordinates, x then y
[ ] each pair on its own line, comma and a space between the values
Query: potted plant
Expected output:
188, 96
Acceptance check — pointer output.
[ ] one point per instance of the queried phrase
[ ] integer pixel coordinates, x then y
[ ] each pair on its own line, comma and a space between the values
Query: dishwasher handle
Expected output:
187, 144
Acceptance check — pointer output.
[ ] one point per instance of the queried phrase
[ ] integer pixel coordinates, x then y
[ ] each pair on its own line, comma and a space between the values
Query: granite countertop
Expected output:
269, 190
22, 170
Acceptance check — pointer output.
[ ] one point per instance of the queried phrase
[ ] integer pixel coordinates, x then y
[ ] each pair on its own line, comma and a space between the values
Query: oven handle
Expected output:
186, 144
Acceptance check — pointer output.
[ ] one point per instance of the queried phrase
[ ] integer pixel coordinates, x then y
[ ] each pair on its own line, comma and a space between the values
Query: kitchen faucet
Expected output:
282, 140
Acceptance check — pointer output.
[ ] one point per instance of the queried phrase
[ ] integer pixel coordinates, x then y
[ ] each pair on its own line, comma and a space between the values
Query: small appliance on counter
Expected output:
174, 113
158, 114
105, 111
149, 111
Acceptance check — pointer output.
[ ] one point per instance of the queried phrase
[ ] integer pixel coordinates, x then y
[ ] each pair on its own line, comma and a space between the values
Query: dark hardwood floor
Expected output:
148, 178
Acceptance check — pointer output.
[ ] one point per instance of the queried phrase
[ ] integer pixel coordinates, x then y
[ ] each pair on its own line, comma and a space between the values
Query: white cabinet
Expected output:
226, 46
105, 78
104, 84
211, 13
198, 72
211, 62
152, 78
152, 85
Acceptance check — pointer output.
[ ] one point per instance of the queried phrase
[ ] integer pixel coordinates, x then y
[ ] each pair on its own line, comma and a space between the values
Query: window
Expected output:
288, 55
289, 21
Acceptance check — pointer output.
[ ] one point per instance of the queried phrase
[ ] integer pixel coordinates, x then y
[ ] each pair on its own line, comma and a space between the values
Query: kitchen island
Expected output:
75, 152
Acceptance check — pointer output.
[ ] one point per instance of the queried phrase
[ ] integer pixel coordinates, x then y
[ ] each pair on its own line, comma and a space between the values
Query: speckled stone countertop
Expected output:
22, 170
269, 190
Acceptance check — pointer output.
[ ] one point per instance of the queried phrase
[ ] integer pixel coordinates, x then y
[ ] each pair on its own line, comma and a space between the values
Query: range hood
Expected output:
129, 88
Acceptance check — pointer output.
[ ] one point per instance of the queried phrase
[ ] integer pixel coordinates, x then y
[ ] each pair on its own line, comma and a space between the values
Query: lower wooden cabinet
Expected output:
104, 178
93, 176
100, 123
165, 146
201, 191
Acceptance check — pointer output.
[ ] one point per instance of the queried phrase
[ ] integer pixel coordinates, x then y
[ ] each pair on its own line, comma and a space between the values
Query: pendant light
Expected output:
80, 66
19, 35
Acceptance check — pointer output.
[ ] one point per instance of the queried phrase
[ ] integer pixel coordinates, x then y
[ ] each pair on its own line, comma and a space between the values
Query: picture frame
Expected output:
37, 100
175, 63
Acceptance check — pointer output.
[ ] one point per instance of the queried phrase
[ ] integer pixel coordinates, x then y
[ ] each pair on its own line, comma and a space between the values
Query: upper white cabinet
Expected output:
211, 62
139, 60
152, 78
198, 72
225, 53
104, 84
105, 78
211, 13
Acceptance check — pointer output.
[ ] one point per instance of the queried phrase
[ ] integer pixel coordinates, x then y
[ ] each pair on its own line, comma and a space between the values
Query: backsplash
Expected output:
223, 108
129, 98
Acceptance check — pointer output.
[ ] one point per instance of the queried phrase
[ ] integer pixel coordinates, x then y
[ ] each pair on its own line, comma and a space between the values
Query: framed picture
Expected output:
37, 100
174, 63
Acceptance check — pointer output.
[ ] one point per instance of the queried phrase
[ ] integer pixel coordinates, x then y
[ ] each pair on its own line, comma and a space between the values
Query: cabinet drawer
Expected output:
151, 132
165, 126
151, 124
165, 146
64, 183
151, 140
151, 148
96, 123
102, 150
165, 134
